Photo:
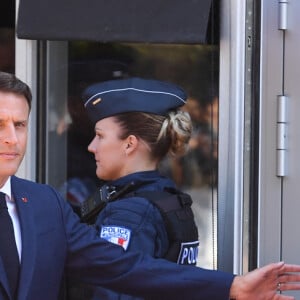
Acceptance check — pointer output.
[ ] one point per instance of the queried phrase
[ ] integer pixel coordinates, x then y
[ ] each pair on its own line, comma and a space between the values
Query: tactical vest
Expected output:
178, 217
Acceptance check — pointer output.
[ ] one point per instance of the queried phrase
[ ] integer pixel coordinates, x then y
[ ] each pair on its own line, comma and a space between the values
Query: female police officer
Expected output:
137, 123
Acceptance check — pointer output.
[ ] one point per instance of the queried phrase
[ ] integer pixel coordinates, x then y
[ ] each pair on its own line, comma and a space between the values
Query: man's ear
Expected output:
131, 143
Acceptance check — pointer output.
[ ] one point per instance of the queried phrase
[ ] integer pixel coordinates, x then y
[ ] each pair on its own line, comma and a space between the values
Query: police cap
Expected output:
113, 97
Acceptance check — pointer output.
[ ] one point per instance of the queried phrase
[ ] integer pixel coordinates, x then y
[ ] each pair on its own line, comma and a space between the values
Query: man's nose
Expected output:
9, 135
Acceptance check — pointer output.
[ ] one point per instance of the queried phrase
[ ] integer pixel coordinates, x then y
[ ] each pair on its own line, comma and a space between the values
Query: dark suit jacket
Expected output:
53, 240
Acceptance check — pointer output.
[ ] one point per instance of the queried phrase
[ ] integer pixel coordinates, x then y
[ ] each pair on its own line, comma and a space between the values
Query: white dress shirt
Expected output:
12, 210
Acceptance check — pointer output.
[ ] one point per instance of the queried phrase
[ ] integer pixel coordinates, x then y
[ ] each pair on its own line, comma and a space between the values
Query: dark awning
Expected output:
156, 21
7, 14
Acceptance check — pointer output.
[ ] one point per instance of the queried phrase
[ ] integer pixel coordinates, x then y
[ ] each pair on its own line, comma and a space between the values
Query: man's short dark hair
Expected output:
11, 84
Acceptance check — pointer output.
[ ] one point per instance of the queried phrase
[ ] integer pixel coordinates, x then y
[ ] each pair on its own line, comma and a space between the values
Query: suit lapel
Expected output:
28, 233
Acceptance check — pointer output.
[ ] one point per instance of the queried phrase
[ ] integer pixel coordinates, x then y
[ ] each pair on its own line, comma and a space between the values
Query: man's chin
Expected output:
8, 170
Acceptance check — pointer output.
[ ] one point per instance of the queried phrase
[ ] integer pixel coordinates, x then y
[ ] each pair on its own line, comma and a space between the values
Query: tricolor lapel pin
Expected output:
24, 199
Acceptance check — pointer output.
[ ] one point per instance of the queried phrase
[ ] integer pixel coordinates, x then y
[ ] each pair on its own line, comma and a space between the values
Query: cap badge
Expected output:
97, 101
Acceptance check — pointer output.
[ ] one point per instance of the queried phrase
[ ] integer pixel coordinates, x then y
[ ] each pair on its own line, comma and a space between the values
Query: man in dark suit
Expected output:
50, 239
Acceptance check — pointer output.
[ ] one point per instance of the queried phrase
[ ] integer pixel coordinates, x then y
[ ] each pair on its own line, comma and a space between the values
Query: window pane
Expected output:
194, 67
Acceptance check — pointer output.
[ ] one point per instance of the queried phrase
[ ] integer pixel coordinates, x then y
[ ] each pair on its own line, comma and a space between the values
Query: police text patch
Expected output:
116, 235
188, 253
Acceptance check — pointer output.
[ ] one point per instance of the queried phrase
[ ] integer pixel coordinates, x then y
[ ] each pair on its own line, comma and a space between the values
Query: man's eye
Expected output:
20, 124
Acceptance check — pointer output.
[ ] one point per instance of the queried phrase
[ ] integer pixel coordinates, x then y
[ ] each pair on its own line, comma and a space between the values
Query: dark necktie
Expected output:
8, 248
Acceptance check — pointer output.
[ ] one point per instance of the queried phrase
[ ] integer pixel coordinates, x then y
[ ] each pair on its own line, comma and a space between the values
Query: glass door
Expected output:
79, 64
66, 68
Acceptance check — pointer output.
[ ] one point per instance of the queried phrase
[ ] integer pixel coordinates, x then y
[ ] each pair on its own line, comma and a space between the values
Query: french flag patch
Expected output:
116, 235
